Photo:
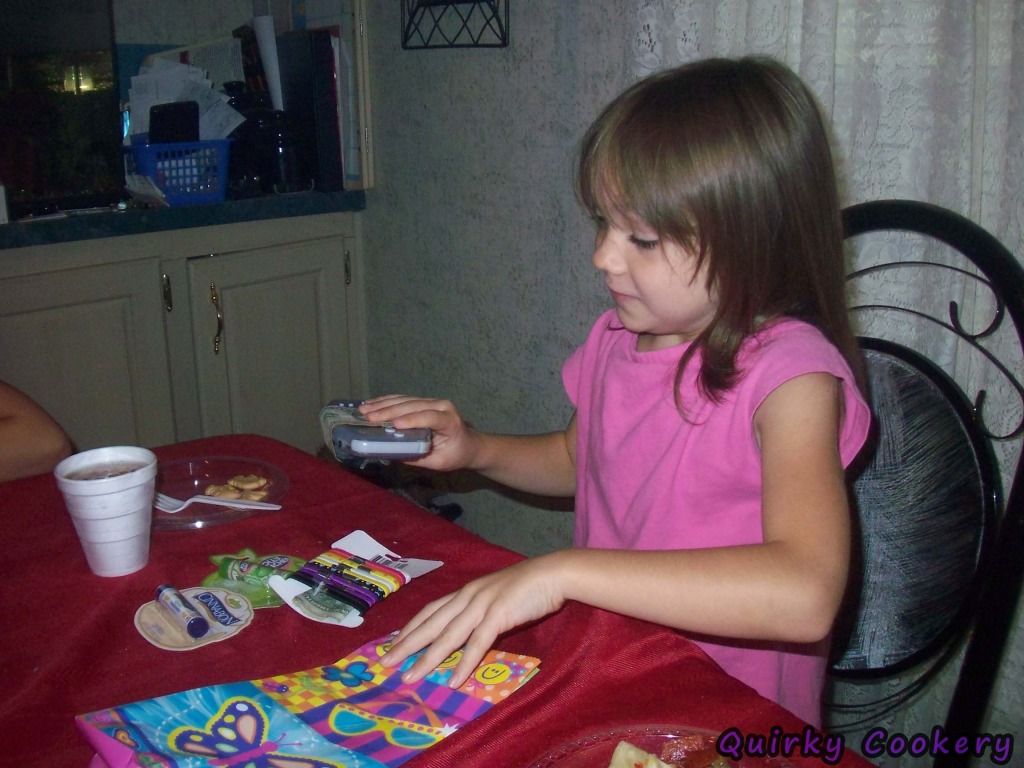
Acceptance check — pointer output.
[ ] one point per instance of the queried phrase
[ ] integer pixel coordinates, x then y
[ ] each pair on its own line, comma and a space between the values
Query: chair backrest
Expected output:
940, 546
925, 506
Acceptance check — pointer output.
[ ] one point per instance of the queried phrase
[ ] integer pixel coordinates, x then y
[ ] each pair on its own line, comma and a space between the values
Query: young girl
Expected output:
716, 404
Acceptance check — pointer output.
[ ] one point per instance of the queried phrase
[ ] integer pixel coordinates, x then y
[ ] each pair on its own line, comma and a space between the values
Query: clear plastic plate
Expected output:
189, 477
676, 745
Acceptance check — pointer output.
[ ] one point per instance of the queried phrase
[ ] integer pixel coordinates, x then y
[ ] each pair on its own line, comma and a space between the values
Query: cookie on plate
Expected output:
627, 755
223, 491
248, 482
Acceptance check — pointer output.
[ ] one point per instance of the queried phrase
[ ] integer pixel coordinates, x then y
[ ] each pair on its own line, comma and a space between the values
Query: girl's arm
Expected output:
541, 464
787, 588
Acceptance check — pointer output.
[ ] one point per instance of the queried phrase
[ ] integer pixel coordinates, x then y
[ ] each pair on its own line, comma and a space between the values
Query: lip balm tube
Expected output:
182, 611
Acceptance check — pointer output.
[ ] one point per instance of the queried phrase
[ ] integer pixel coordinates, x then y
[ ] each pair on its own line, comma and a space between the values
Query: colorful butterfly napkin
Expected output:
351, 714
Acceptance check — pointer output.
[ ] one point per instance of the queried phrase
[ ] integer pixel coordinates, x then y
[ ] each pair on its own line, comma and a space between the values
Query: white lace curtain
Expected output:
924, 98
924, 95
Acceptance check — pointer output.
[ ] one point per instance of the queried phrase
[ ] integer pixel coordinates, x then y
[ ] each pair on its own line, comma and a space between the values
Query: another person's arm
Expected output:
30, 441
787, 588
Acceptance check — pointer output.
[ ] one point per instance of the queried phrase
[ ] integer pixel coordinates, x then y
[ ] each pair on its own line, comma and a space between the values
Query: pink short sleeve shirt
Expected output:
649, 479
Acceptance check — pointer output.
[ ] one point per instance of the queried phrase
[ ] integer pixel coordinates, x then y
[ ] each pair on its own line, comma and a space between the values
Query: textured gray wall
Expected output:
478, 255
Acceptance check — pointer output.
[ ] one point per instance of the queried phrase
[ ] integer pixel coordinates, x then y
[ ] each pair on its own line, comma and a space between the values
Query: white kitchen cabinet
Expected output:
269, 332
88, 344
115, 337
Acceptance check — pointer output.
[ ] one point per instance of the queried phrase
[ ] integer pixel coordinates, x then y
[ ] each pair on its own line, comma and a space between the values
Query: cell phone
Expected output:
379, 442
174, 122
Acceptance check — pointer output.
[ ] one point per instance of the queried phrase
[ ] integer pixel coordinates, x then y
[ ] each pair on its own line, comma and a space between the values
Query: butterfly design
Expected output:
352, 676
148, 760
123, 736
144, 759
236, 736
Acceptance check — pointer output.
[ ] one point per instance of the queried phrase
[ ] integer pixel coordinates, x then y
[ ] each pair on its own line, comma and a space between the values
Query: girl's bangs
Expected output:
633, 166
600, 186
609, 190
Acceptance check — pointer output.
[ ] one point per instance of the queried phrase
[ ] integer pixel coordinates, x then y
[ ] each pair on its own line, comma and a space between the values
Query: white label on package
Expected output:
361, 544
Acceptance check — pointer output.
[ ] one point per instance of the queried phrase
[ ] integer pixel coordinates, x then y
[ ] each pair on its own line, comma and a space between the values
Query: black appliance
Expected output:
306, 60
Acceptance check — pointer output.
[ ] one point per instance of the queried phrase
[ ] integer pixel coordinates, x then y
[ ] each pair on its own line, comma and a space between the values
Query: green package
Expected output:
247, 573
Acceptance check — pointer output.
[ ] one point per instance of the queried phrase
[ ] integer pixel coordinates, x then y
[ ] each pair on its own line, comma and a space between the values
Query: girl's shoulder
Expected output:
790, 344
787, 348
786, 332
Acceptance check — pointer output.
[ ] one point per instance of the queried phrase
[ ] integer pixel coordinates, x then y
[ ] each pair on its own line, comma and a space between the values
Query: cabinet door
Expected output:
88, 345
270, 331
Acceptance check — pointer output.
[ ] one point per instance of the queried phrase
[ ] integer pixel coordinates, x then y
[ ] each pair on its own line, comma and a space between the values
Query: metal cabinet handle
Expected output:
215, 300
165, 285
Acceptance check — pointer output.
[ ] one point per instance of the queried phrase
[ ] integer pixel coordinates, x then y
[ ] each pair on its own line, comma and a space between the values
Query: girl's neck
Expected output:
649, 342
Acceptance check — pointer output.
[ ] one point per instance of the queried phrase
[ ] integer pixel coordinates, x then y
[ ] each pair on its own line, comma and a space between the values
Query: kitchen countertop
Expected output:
88, 226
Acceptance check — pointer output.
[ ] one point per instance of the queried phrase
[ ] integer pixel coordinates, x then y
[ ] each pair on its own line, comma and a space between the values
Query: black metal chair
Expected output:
941, 546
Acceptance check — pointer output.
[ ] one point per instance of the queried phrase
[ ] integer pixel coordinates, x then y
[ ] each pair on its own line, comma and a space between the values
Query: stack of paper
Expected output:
162, 81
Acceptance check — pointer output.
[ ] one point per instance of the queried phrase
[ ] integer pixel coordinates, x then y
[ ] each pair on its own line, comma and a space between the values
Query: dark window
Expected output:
60, 121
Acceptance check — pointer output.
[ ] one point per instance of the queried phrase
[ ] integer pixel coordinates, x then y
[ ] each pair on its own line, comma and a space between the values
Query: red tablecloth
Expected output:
69, 644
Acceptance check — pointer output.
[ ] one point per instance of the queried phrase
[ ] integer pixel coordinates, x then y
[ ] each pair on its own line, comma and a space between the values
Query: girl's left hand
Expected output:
475, 615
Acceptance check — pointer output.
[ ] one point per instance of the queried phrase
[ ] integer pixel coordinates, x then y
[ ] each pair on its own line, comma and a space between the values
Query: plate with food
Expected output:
229, 477
645, 746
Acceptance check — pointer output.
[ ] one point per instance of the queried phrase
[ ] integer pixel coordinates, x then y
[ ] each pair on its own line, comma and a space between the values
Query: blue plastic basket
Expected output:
188, 173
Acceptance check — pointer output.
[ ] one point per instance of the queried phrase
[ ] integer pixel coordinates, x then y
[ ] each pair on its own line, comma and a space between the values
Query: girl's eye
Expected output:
646, 245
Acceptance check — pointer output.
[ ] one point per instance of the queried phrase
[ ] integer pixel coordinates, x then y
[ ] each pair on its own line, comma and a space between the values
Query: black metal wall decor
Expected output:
454, 24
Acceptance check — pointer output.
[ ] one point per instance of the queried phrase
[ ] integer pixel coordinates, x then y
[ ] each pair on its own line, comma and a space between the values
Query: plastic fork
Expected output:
169, 504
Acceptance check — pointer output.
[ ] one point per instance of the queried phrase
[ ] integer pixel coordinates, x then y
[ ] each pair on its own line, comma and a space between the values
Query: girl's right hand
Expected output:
454, 443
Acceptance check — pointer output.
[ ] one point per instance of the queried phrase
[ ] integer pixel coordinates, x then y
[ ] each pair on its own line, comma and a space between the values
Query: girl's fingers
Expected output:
401, 639
472, 618
428, 412
476, 648
442, 631
414, 636
376, 404
448, 641
418, 417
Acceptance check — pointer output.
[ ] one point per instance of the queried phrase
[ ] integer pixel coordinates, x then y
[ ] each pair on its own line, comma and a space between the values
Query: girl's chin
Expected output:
627, 320
638, 325
648, 338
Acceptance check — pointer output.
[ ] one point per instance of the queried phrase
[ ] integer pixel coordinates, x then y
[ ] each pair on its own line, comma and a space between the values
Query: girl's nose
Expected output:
606, 258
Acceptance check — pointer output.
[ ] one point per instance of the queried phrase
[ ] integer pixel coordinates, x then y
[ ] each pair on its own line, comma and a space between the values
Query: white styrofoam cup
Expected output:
112, 515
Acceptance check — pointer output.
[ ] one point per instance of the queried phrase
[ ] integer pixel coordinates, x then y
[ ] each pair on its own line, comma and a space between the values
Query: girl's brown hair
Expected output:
729, 158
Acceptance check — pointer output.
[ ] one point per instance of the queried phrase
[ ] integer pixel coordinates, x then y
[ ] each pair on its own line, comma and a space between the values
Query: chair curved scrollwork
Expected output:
939, 517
